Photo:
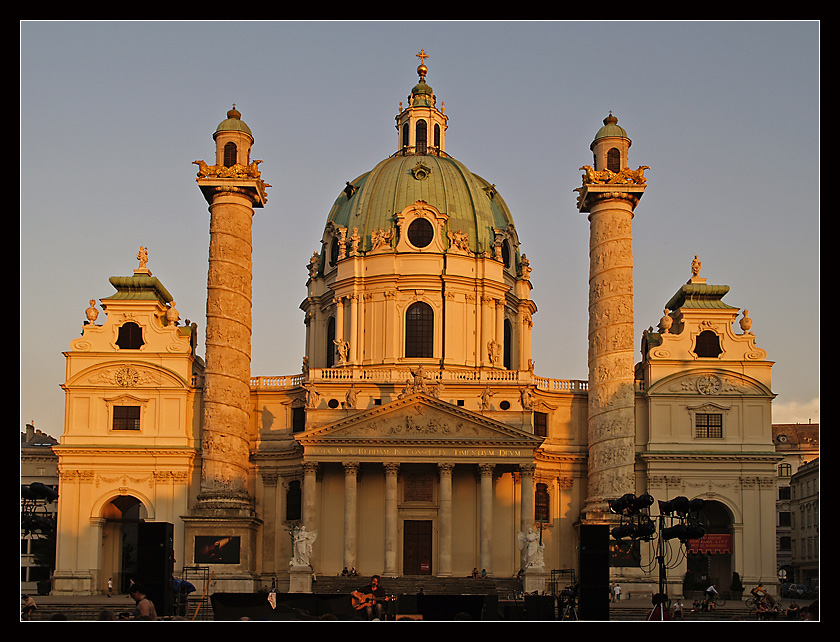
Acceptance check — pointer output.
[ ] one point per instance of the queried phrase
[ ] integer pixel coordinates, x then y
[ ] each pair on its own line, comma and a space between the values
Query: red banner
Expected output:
711, 543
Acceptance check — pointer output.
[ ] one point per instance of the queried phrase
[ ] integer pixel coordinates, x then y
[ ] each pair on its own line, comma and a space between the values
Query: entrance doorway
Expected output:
417, 547
120, 544
709, 559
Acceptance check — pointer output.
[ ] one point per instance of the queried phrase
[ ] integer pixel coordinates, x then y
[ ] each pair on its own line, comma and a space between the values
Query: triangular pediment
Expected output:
420, 422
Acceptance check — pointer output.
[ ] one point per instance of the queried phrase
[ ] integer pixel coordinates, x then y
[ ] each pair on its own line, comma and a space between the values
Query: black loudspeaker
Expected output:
155, 564
594, 595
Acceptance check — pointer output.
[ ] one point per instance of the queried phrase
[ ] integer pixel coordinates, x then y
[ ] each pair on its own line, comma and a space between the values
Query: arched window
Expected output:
437, 135
334, 251
130, 337
506, 253
405, 135
419, 330
420, 137
331, 342
707, 344
508, 350
614, 160
230, 155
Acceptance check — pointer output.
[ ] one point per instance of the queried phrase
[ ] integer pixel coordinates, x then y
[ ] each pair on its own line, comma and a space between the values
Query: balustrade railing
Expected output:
399, 375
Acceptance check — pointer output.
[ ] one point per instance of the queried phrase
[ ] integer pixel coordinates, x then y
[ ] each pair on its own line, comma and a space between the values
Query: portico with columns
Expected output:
426, 462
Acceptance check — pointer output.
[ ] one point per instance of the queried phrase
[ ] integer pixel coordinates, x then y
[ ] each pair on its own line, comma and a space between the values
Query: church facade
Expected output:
417, 438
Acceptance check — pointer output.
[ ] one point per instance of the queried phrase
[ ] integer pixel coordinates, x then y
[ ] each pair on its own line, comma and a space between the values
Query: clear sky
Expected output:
726, 114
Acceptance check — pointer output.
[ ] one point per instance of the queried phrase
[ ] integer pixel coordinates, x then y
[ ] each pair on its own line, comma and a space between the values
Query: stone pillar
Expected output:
354, 354
527, 515
351, 471
226, 402
445, 521
391, 519
339, 327
312, 335
609, 195
270, 544
487, 312
486, 527
392, 336
232, 192
309, 499
611, 352
500, 331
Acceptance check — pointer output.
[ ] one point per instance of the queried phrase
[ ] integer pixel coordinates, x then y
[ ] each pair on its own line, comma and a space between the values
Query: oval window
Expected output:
420, 232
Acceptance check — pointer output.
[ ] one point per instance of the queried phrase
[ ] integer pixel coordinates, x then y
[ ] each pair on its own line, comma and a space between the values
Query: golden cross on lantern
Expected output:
422, 56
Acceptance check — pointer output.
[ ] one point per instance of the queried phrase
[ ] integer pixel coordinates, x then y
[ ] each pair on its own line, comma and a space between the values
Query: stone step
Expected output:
411, 585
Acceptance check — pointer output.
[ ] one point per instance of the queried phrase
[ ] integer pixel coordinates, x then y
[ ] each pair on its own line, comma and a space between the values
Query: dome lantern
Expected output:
421, 128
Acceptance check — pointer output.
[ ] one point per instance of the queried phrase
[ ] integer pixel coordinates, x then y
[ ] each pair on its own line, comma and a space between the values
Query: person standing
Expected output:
617, 591
110, 586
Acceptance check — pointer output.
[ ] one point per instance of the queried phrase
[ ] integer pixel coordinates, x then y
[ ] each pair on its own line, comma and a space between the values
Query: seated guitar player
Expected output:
370, 599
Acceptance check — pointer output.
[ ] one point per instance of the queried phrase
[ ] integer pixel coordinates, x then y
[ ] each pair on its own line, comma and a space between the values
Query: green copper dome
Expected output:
611, 129
370, 202
234, 123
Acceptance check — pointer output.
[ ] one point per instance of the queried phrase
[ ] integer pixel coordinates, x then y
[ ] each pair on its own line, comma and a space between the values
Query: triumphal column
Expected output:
224, 511
609, 195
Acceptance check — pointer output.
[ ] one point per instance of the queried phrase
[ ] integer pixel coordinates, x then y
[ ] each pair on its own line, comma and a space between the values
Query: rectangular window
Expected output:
298, 419
126, 418
708, 426
541, 424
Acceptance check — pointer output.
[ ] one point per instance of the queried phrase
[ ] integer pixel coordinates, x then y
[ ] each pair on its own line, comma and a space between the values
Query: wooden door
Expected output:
417, 547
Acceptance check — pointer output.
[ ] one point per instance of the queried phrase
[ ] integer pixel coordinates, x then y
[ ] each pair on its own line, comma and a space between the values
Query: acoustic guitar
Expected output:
363, 600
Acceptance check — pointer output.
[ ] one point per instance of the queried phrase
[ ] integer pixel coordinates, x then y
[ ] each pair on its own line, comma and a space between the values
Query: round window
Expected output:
420, 232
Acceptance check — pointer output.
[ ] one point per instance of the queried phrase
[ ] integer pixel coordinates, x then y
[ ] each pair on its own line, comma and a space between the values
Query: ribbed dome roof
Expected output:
234, 122
611, 128
471, 203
